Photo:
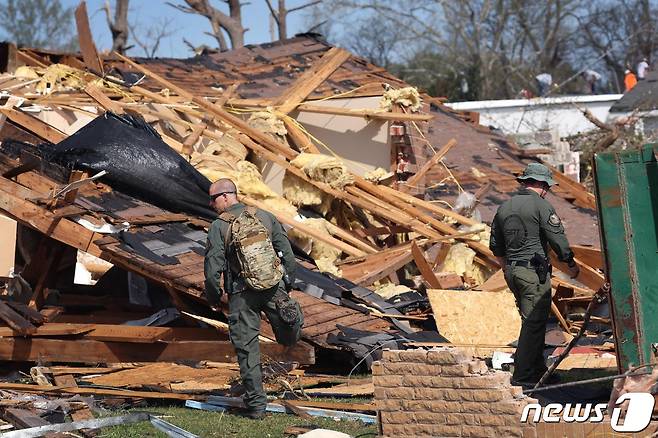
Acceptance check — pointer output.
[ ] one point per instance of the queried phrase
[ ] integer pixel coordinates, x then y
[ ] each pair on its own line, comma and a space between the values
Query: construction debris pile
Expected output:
382, 263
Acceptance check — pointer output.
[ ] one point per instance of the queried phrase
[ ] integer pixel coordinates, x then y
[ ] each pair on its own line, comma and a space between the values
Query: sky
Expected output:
145, 13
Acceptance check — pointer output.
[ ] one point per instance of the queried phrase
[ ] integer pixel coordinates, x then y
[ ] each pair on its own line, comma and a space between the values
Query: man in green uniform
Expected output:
521, 231
245, 304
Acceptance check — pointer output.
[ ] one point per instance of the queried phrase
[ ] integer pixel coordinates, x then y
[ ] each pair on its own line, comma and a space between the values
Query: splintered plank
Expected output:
118, 333
23, 418
108, 104
15, 321
87, 46
34, 125
13, 202
28, 312
59, 371
590, 256
424, 267
50, 329
94, 391
415, 179
82, 350
163, 374
80, 414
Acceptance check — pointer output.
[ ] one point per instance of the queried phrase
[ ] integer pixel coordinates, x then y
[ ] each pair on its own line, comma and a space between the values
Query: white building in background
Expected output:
543, 122
525, 116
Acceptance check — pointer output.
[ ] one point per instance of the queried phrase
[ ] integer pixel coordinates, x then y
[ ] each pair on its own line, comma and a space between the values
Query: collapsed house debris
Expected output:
381, 263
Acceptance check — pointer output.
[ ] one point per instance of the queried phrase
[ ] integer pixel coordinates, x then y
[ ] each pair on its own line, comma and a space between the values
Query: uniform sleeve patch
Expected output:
554, 220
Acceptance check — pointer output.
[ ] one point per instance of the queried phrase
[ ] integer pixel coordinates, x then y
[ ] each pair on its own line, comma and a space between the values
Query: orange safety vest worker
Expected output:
629, 80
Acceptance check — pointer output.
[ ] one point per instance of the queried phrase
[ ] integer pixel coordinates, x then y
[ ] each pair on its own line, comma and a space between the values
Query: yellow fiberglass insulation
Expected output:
325, 255
407, 97
26, 72
303, 194
268, 122
323, 168
377, 175
60, 77
228, 147
461, 261
318, 167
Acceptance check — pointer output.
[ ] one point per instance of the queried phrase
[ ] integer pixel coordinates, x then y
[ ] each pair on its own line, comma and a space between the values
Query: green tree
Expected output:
45, 24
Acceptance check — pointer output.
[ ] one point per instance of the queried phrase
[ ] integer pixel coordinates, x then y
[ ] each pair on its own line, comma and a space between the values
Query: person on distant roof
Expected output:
629, 80
593, 79
642, 69
544, 82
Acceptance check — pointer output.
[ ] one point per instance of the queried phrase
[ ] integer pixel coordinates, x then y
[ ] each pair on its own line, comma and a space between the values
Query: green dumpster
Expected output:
627, 201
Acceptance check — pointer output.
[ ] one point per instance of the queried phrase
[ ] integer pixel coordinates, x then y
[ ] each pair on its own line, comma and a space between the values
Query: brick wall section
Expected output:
445, 393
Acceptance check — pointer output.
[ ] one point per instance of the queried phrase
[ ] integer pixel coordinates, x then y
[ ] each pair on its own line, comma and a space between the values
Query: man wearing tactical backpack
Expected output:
251, 250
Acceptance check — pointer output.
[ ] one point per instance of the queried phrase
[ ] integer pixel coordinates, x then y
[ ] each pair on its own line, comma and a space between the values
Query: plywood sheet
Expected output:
470, 317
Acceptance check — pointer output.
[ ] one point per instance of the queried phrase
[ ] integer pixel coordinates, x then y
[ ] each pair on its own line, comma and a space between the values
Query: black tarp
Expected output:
138, 162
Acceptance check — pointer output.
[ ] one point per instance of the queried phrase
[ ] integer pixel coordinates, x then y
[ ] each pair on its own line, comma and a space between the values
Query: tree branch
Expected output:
299, 8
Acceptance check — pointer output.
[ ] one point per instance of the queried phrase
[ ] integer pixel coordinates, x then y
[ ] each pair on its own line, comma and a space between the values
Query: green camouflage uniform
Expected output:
524, 225
246, 305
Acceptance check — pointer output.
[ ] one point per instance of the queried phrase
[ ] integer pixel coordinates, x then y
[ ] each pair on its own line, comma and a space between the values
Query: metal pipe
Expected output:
630, 372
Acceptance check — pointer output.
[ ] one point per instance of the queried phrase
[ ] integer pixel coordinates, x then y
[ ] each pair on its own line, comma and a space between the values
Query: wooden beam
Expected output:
441, 255
97, 94
299, 138
52, 252
311, 79
86, 41
590, 256
30, 60
28, 312
588, 276
94, 391
415, 179
24, 418
365, 113
81, 350
424, 267
227, 94
190, 141
34, 125
369, 277
280, 153
14, 320
51, 329
583, 197
13, 203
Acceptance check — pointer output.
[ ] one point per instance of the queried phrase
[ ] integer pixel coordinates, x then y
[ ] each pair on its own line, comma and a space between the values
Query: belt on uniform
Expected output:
522, 263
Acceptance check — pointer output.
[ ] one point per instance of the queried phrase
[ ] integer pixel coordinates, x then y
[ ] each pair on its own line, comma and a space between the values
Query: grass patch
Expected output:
216, 424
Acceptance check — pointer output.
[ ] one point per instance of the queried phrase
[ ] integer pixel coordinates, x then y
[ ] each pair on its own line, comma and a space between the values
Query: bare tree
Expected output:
280, 14
38, 23
149, 41
497, 46
118, 26
221, 22
633, 36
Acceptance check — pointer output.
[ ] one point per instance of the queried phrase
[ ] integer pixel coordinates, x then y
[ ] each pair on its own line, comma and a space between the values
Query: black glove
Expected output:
215, 302
288, 282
